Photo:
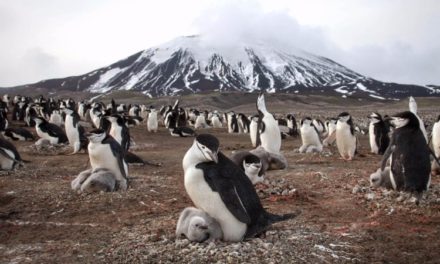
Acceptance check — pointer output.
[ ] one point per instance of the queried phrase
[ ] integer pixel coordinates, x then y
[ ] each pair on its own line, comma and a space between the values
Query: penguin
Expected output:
200, 122
119, 131
378, 134
9, 156
253, 127
436, 137
251, 165
216, 120
106, 153
381, 178
18, 133
232, 122
55, 118
3, 122
243, 123
74, 131
152, 123
268, 132
220, 188
94, 180
346, 140
331, 128
197, 226
311, 141
413, 109
291, 124
49, 131
182, 132
409, 155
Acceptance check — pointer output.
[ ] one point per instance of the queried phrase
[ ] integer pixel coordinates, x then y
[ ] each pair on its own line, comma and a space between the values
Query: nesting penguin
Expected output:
409, 155
74, 131
220, 188
268, 132
197, 226
378, 134
346, 140
251, 165
18, 133
311, 141
49, 131
106, 153
9, 156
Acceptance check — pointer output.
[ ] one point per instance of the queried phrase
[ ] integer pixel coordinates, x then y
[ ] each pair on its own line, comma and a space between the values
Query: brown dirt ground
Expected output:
42, 220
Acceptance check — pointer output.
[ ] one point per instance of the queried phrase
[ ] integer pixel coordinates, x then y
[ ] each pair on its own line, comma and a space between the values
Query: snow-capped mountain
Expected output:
190, 65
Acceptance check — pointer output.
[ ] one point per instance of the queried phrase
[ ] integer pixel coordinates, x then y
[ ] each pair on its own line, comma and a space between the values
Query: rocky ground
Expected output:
342, 219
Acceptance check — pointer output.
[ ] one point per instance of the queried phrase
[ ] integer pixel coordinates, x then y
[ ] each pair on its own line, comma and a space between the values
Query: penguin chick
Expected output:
197, 226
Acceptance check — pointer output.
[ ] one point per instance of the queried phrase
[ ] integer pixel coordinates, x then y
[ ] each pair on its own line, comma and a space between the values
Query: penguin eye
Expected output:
203, 147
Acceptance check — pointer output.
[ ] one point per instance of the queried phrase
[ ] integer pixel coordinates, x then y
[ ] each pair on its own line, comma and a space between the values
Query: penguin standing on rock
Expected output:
49, 131
106, 153
268, 132
74, 131
378, 133
220, 188
409, 154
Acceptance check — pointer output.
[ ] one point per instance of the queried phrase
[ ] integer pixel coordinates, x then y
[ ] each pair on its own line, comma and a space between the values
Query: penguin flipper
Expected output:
226, 189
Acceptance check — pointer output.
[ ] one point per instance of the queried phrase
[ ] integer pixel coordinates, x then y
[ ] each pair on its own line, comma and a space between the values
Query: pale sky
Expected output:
389, 40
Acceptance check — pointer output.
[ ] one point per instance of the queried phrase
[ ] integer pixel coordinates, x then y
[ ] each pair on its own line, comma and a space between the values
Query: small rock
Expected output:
370, 196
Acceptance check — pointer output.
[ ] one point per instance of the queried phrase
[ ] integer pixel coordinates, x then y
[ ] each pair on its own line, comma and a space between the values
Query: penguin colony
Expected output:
221, 187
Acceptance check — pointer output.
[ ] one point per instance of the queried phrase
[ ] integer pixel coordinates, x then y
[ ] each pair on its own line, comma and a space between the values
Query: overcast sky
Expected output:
389, 40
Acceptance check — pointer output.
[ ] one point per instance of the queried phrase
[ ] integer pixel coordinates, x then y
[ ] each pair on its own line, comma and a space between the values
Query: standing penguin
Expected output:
119, 131
253, 127
268, 133
74, 131
346, 140
330, 126
409, 154
311, 141
152, 122
220, 188
378, 133
291, 124
49, 131
215, 120
106, 153
436, 137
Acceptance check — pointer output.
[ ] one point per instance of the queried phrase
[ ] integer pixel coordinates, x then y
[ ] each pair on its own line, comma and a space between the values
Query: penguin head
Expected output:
198, 229
38, 120
307, 121
405, 119
252, 168
96, 135
375, 117
376, 178
344, 117
206, 147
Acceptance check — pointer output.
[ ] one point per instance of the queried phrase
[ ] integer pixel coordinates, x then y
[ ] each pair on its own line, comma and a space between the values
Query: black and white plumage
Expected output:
378, 134
182, 132
291, 124
435, 135
311, 142
251, 165
74, 131
18, 133
220, 188
49, 131
197, 226
346, 140
409, 155
268, 132
105, 152
243, 123
119, 131
413, 109
9, 156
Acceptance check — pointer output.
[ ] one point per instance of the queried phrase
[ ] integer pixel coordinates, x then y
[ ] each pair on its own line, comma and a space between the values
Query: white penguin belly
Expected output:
101, 156
345, 141
71, 132
253, 133
116, 133
373, 145
271, 137
210, 202
309, 136
152, 122
436, 139
7, 163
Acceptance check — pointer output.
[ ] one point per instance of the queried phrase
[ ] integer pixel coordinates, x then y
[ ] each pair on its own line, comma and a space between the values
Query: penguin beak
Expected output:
214, 156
